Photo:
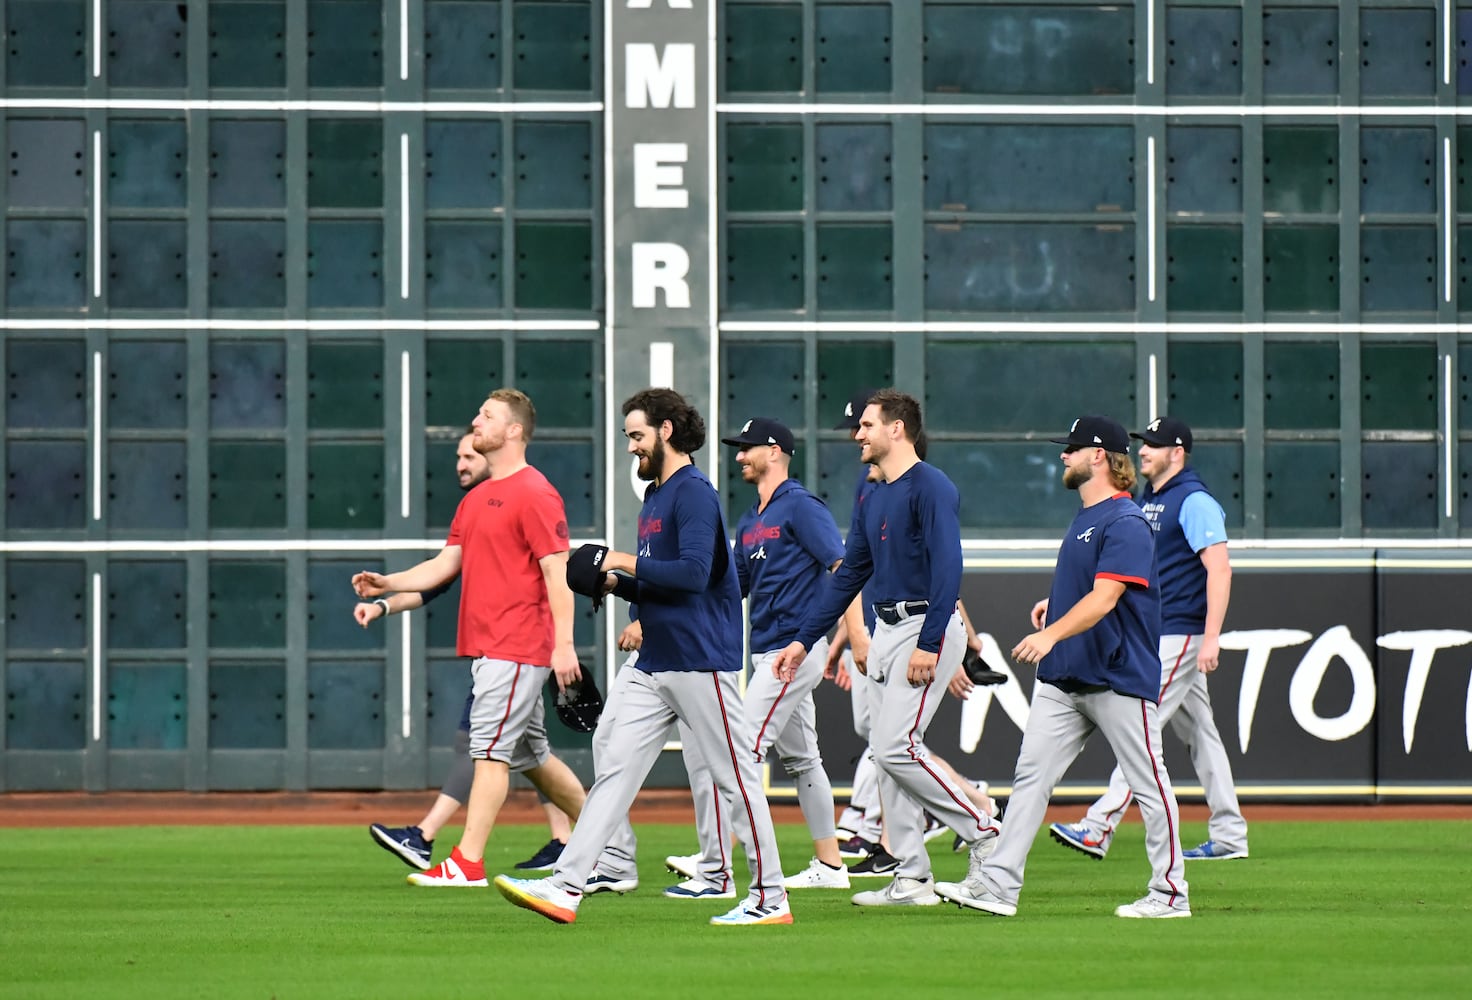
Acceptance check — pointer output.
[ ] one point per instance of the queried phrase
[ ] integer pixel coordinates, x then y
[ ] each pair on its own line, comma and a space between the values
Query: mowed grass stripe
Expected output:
1377, 908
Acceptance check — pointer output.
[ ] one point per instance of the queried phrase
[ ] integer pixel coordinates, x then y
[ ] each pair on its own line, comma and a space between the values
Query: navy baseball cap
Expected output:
759, 431
853, 410
1094, 431
1166, 432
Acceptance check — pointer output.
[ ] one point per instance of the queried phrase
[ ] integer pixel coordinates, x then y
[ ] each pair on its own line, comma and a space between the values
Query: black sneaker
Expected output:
856, 847
879, 863
406, 842
544, 859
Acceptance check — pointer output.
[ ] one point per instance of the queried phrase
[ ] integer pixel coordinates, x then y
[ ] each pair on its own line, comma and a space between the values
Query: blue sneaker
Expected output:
1081, 838
696, 889
543, 860
599, 882
407, 842
1210, 850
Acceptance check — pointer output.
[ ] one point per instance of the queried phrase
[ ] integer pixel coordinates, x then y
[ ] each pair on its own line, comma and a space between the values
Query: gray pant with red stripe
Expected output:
900, 713
637, 718
1057, 727
779, 715
1186, 705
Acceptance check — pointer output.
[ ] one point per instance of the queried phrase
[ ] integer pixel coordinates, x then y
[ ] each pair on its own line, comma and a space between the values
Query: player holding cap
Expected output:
1096, 670
1195, 585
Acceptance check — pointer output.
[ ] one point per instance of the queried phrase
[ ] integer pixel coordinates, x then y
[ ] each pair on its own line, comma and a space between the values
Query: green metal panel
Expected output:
1302, 485
1053, 50
1301, 268
46, 383
764, 266
763, 45
853, 165
247, 705
462, 264
1399, 485
762, 379
247, 44
1397, 53
344, 163
1398, 170
146, 485
247, 484
146, 46
247, 263
1300, 169
1205, 385
47, 163
1029, 267
1203, 169
147, 162
146, 606
853, 48
1398, 386
48, 262
1204, 47
147, 264
45, 605
45, 705
1029, 168
855, 267
1219, 463
147, 385
846, 366
47, 42
1301, 387
247, 604
553, 45
345, 485
462, 167
344, 385
764, 167
554, 265
558, 376
459, 374
345, 263
46, 483
462, 45
1204, 268
345, 43
554, 165
146, 706
247, 163
1398, 269
345, 705
1037, 501
1300, 51
993, 386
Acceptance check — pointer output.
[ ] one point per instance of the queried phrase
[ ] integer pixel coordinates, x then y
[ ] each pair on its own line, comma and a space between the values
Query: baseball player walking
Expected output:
684, 580
1195, 583
414, 845
786, 544
1096, 670
508, 543
904, 552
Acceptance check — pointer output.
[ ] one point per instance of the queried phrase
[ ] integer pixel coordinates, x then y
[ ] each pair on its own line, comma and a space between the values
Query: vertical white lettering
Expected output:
657, 266
1259, 644
1423, 646
658, 180
650, 81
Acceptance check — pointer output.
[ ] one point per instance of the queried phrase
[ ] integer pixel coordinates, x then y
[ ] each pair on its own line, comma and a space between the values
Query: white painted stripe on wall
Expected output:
97, 183
97, 695
1154, 386
364, 107
662, 364
1447, 40
404, 215
1450, 221
1449, 434
1150, 41
1150, 212
96, 435
406, 720
404, 45
166, 323
1048, 326
1043, 109
96, 38
404, 434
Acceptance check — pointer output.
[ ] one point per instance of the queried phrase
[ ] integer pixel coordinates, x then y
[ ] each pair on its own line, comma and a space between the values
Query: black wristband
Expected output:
384, 605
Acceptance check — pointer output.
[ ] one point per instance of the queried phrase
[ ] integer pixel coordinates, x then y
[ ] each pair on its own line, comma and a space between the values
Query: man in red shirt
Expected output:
508, 542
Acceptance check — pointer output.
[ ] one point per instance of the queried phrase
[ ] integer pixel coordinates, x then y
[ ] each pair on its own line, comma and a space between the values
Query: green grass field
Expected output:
1363, 908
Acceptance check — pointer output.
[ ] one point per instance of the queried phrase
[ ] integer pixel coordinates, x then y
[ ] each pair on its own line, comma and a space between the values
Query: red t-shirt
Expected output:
503, 527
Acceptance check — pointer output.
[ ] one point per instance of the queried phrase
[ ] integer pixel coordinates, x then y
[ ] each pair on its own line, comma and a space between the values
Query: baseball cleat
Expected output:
901, 892
599, 882
407, 842
543, 860
818, 876
540, 896
1152, 908
972, 894
696, 889
856, 847
687, 865
746, 913
1210, 850
1081, 838
879, 863
454, 872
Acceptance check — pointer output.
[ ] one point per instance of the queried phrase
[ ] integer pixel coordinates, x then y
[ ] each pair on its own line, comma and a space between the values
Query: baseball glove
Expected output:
585, 572
580, 705
979, 672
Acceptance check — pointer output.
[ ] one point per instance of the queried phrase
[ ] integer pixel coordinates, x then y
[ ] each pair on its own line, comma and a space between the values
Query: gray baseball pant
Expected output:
637, 718
778, 715
864, 815
900, 717
1057, 727
1185, 703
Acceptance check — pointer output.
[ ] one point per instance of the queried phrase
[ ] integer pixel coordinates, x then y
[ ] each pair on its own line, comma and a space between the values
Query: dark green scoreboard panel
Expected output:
263, 258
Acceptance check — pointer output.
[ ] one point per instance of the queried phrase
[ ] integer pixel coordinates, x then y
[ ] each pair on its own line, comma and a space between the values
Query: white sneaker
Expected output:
777, 913
1153, 908
447, 873
901, 892
972, 893
540, 896
687, 865
979, 851
818, 876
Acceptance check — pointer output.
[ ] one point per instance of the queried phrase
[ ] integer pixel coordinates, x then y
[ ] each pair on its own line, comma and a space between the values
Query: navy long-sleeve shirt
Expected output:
783, 551
905, 546
685, 582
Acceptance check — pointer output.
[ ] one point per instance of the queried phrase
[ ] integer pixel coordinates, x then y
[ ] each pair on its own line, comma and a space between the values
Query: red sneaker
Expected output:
453, 871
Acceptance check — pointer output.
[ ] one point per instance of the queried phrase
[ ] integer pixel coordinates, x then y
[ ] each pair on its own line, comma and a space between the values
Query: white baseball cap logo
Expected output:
1074, 426
1154, 425
848, 409
746, 427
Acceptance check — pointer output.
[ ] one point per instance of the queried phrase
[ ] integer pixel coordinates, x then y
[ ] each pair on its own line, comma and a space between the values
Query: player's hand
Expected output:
363, 613
1033, 648
921, 670
842, 677
784, 667
1040, 614
370, 584
632, 637
1209, 655
960, 686
565, 665
859, 646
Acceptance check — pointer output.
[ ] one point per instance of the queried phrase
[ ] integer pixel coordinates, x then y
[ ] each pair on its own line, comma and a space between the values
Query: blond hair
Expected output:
1121, 471
522, 410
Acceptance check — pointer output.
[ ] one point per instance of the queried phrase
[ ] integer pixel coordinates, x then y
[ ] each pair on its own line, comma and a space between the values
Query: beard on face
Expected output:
1075, 476
650, 466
